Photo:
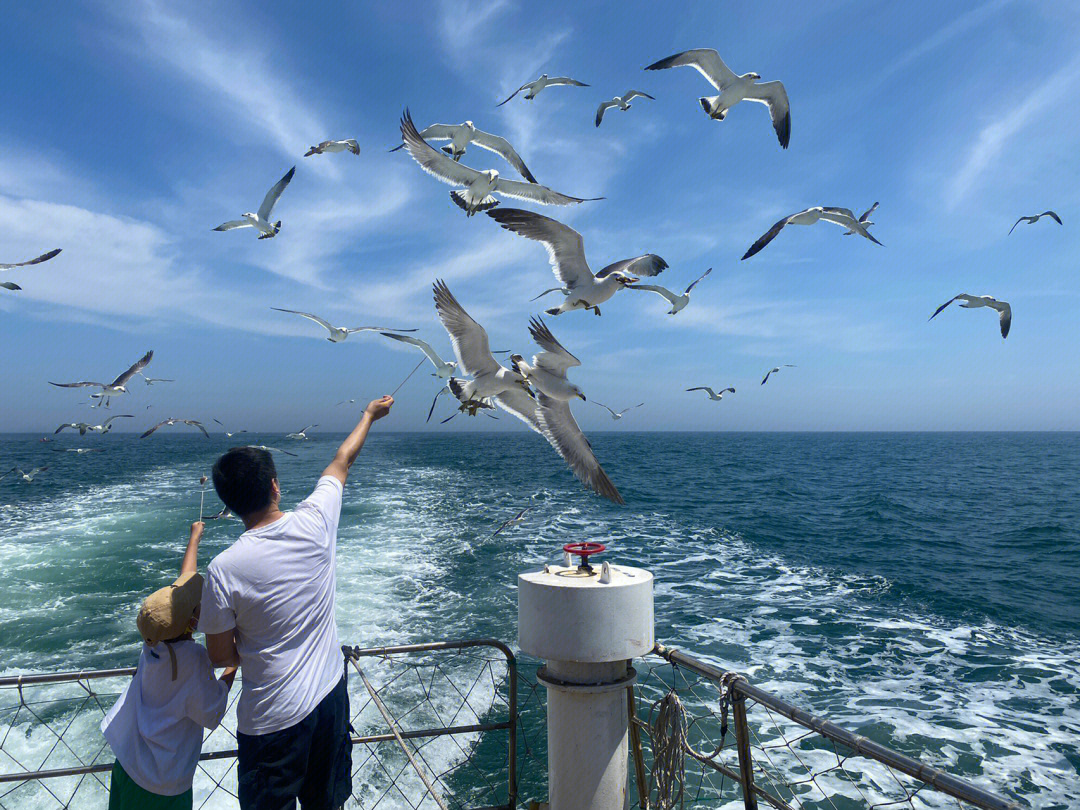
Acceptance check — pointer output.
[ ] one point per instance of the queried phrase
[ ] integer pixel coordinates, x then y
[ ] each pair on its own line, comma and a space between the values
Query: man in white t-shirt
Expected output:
268, 606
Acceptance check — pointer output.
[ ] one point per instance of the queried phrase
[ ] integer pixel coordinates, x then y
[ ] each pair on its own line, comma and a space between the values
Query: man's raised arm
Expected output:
350, 448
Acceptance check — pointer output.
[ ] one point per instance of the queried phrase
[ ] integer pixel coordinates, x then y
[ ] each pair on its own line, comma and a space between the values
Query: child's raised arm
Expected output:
190, 563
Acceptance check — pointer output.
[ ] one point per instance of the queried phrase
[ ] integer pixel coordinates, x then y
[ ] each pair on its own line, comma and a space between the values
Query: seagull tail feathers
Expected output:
458, 196
553, 311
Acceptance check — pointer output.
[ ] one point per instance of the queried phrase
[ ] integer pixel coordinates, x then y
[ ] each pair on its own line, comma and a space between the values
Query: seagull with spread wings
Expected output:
347, 145
443, 368
775, 369
1028, 220
715, 396
260, 220
864, 220
152, 380
617, 415
461, 135
103, 428
478, 186
44, 257
339, 333
514, 521
229, 434
811, 216
25, 476
271, 449
168, 422
534, 87
301, 435
678, 302
566, 252
622, 102
117, 386
975, 301
733, 89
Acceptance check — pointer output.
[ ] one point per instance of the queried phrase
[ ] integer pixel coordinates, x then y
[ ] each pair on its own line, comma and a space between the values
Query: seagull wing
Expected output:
355, 329
555, 358
768, 236
648, 265
519, 402
72, 425
155, 427
867, 213
603, 108
272, 195
773, 95
137, 366
232, 224
440, 132
44, 257
10, 285
431, 160
695, 281
501, 146
634, 94
846, 219
706, 61
536, 193
119, 416
1004, 316
566, 80
562, 432
199, 425
1050, 214
704, 388
422, 345
546, 292
79, 385
656, 288
606, 408
938, 310
468, 337
767, 373
514, 94
566, 251
307, 315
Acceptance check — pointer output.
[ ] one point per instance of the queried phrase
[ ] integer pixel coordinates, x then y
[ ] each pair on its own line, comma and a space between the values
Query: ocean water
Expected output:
924, 586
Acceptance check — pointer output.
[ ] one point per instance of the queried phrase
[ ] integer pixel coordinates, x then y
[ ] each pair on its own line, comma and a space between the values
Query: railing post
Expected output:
511, 757
742, 741
635, 750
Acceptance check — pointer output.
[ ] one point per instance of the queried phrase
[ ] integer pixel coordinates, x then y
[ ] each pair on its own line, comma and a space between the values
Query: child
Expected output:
156, 727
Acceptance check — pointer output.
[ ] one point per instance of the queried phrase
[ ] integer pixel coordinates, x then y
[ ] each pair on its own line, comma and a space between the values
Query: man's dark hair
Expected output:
243, 479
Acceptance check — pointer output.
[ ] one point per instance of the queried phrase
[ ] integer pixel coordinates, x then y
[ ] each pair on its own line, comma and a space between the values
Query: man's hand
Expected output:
378, 408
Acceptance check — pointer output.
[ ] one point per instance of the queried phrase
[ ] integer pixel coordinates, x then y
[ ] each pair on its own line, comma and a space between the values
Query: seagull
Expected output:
490, 380
103, 428
535, 87
839, 216
349, 144
26, 476
733, 89
261, 220
168, 422
484, 404
864, 219
713, 395
443, 368
678, 302
224, 514
622, 102
79, 450
553, 393
44, 257
461, 135
300, 434
479, 186
1028, 220
514, 521
117, 386
339, 333
350, 401
617, 415
566, 252
152, 380
229, 434
271, 449
773, 370
976, 301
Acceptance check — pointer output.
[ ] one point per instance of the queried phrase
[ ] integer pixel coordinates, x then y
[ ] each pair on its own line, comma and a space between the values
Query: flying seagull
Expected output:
103, 428
566, 252
461, 135
479, 186
733, 89
152, 380
617, 415
351, 401
26, 476
864, 219
678, 302
261, 220
1028, 220
300, 434
622, 102
224, 514
79, 450
443, 368
44, 257
535, 87
547, 373
339, 333
229, 434
117, 386
349, 144
271, 449
838, 216
774, 370
514, 521
713, 395
168, 422
490, 380
976, 301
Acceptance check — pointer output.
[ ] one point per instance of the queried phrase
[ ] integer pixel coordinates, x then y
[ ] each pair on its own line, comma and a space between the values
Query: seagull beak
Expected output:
632, 280
583, 398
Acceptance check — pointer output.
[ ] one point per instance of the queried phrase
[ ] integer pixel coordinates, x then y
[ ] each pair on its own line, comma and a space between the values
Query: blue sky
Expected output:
129, 130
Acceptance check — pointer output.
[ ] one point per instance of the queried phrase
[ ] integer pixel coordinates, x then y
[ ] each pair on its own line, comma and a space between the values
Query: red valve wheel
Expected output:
584, 549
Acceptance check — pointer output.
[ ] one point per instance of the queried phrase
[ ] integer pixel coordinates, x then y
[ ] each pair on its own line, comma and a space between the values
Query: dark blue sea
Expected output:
927, 584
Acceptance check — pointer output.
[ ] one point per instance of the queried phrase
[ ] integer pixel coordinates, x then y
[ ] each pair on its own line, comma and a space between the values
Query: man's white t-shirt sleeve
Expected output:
217, 614
325, 501
207, 696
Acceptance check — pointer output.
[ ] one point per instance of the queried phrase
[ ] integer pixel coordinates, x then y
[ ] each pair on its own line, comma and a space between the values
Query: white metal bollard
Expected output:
586, 624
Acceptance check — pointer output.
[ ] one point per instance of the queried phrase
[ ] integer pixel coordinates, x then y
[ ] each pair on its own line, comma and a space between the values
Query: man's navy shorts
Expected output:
311, 761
